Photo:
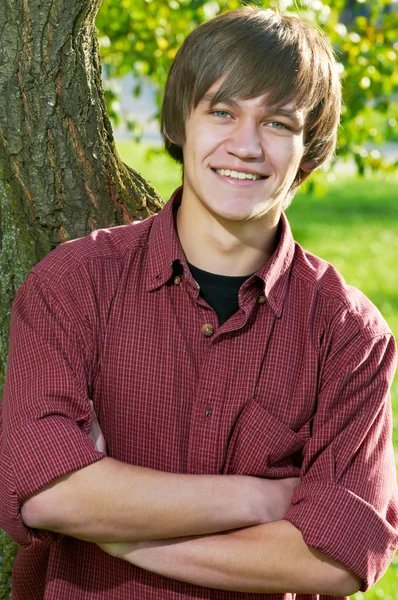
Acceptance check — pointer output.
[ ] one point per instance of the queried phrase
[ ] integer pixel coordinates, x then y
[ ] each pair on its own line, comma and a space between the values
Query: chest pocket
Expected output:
262, 446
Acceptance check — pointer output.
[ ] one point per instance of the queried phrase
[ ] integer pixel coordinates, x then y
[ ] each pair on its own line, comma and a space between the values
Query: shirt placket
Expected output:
205, 448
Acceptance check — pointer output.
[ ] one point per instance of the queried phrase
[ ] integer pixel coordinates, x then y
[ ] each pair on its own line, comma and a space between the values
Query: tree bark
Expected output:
60, 174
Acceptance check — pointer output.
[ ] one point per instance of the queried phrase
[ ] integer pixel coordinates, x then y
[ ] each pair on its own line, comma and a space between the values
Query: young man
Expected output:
240, 385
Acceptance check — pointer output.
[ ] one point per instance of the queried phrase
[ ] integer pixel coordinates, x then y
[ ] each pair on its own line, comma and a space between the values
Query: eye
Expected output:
222, 114
277, 125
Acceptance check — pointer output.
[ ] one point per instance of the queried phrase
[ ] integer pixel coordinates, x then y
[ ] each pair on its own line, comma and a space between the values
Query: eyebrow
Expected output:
209, 97
293, 114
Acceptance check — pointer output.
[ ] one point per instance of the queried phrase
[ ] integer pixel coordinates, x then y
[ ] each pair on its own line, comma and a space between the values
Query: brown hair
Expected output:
256, 52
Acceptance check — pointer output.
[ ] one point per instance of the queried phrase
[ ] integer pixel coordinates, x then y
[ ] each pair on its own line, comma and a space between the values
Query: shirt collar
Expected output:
275, 273
164, 245
165, 250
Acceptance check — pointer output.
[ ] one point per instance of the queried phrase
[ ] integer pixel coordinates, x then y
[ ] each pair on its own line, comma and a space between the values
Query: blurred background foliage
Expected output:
142, 37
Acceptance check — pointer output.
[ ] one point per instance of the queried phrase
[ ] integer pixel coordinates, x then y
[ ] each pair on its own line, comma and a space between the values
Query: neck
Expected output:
227, 247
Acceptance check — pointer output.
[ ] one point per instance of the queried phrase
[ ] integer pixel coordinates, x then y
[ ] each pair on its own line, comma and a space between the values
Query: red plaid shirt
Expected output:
295, 383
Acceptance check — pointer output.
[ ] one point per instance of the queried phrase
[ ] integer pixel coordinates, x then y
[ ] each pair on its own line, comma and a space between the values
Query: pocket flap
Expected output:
261, 445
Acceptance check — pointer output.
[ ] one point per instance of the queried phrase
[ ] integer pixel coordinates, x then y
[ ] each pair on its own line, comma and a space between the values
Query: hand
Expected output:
276, 496
285, 489
96, 434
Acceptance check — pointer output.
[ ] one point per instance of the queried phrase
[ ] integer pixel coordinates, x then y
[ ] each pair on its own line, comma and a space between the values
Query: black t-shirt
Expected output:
219, 291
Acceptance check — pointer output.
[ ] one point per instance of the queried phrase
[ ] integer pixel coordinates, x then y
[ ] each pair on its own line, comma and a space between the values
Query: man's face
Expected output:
241, 157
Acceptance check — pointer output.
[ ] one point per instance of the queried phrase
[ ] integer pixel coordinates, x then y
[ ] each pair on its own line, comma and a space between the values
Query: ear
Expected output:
309, 165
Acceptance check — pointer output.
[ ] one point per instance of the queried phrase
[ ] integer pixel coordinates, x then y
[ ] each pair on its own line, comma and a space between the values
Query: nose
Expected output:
244, 140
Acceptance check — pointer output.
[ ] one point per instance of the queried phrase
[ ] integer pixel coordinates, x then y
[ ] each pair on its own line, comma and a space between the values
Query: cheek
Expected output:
293, 155
204, 142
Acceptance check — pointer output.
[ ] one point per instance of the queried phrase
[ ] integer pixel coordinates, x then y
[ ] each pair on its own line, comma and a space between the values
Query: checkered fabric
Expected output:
294, 384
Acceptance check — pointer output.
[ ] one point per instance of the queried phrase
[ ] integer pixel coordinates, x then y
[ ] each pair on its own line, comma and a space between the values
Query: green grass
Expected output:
351, 222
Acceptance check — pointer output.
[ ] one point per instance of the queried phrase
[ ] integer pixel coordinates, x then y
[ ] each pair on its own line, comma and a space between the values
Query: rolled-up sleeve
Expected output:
46, 415
346, 505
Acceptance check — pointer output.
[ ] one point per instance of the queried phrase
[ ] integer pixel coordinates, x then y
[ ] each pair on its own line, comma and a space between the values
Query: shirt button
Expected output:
261, 299
207, 330
208, 411
177, 280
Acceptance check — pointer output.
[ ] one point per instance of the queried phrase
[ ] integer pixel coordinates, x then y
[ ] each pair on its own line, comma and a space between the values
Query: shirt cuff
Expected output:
38, 453
344, 527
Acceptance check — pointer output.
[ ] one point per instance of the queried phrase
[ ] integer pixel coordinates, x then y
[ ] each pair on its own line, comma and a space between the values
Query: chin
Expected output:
233, 216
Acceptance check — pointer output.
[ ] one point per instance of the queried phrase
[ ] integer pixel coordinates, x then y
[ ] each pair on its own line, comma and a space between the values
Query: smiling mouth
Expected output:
238, 174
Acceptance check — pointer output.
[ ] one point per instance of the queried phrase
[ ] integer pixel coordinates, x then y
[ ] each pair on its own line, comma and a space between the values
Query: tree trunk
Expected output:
60, 174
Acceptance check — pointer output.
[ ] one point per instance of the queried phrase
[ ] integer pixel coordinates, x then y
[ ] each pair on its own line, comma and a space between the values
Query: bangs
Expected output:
271, 61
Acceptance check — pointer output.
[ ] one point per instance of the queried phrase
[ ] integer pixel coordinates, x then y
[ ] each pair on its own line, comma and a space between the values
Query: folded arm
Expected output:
345, 507
270, 558
112, 501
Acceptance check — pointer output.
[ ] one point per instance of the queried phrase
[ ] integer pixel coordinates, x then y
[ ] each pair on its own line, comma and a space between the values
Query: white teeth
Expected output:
237, 174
